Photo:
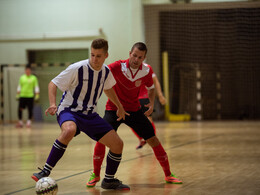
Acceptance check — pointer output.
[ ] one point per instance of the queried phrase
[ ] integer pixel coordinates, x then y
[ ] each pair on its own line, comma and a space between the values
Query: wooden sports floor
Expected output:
210, 157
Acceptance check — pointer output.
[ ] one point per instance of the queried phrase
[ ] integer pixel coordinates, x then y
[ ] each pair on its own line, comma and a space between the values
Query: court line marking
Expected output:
173, 147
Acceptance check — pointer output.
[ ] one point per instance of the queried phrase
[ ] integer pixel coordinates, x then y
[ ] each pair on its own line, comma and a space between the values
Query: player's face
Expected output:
136, 58
97, 58
28, 71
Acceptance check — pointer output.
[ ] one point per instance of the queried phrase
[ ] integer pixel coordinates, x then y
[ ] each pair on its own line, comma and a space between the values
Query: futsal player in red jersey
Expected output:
144, 100
130, 75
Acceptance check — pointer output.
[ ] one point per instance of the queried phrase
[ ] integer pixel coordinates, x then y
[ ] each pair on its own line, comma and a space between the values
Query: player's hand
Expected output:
121, 113
162, 100
17, 97
51, 110
150, 109
36, 97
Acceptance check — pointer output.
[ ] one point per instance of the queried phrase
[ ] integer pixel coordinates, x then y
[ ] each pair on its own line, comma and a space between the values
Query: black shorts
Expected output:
137, 121
26, 102
144, 102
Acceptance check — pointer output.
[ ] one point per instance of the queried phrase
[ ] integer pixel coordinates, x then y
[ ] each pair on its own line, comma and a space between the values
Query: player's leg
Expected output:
68, 130
99, 150
114, 156
20, 113
143, 103
30, 112
103, 132
145, 129
151, 120
140, 138
162, 157
142, 142
98, 157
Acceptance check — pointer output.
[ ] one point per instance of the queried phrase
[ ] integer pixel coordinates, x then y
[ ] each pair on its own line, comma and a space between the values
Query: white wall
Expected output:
120, 21
182, 1
21, 21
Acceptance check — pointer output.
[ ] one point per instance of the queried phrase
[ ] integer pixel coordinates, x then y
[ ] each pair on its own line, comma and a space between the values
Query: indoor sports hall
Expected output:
205, 54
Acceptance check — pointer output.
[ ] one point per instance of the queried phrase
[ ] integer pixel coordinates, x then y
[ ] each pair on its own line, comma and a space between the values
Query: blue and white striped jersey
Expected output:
82, 86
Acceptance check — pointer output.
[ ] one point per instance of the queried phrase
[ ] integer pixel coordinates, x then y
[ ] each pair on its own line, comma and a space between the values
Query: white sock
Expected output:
29, 122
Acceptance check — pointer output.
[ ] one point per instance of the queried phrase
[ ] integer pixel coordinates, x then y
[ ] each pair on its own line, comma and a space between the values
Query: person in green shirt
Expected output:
27, 91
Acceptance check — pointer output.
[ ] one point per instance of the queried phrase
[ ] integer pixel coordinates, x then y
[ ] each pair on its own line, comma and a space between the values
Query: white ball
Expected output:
46, 186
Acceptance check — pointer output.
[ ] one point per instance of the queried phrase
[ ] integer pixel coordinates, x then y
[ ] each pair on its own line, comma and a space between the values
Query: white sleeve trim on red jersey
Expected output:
148, 88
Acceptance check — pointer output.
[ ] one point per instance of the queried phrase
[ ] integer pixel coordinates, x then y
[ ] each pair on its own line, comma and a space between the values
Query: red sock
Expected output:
162, 157
154, 128
99, 153
137, 135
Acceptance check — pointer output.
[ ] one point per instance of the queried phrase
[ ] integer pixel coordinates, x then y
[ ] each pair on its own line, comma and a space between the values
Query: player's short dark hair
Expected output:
100, 44
28, 66
141, 46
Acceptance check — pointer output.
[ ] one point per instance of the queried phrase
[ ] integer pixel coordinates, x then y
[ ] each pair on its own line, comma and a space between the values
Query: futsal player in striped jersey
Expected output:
83, 83
130, 75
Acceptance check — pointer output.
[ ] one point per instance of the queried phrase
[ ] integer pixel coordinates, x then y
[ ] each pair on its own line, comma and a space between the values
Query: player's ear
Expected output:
106, 55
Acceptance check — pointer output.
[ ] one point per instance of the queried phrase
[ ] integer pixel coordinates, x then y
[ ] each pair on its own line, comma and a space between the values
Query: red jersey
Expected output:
143, 94
128, 85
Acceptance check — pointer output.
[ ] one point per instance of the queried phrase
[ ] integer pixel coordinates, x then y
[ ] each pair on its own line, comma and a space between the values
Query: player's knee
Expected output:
120, 144
117, 146
153, 141
68, 133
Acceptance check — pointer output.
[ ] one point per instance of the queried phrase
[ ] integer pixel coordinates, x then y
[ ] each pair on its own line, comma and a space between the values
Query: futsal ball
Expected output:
46, 186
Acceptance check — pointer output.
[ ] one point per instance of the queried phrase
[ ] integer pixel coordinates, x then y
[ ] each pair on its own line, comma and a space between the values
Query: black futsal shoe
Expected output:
43, 173
114, 184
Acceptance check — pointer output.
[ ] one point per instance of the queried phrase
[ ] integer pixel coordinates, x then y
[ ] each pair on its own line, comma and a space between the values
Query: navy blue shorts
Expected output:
92, 124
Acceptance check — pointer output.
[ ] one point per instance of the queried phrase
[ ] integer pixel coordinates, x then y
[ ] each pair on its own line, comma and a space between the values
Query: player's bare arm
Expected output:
159, 90
52, 89
110, 93
151, 94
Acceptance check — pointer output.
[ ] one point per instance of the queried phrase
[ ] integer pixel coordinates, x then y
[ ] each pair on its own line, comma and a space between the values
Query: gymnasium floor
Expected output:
210, 157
